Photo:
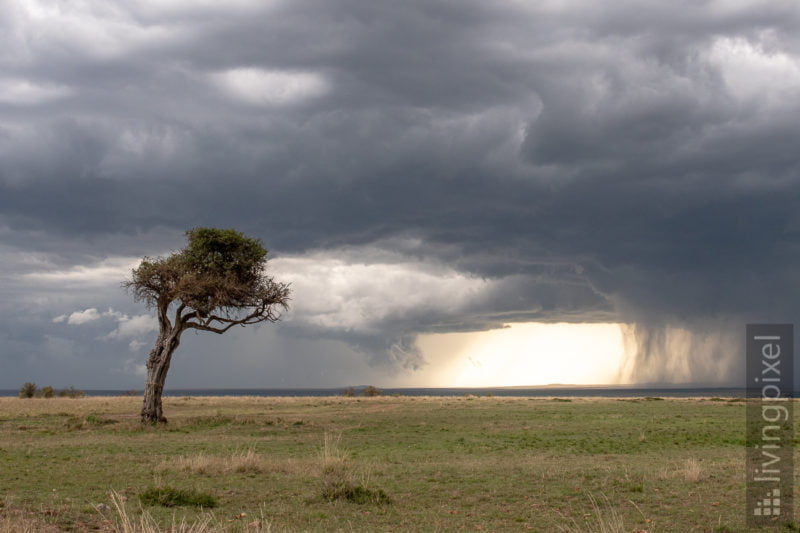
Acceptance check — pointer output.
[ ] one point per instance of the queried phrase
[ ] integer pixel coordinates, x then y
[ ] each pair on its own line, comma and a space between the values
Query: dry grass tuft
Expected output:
338, 477
248, 462
331, 454
692, 472
15, 519
604, 519
689, 471
239, 462
19, 522
336, 473
124, 522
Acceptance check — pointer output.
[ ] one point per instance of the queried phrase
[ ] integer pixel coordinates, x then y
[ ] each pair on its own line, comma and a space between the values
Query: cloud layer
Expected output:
414, 167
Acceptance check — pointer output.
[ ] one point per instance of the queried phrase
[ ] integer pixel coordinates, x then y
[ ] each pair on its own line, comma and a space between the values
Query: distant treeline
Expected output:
30, 390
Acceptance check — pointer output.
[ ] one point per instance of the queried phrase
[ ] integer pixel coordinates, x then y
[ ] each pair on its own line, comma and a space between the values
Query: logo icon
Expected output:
770, 505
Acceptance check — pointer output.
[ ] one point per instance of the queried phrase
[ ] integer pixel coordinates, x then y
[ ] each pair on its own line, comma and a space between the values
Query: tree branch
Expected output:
261, 314
178, 318
185, 318
203, 327
163, 319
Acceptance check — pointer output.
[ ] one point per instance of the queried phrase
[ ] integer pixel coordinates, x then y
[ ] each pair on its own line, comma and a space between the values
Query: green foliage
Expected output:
224, 252
223, 268
349, 392
28, 390
46, 392
172, 497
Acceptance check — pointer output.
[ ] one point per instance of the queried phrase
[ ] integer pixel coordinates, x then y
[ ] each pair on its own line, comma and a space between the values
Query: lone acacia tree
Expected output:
216, 282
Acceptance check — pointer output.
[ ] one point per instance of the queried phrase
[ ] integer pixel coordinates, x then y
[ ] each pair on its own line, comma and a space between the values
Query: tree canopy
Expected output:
218, 280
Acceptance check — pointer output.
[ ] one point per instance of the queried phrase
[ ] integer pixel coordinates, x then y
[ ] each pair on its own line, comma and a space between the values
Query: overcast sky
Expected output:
413, 167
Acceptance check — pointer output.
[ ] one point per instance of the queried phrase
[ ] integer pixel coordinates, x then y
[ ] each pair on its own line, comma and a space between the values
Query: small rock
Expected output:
102, 507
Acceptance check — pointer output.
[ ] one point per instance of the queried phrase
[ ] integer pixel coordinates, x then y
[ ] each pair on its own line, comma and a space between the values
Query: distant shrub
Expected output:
349, 392
71, 392
132, 392
28, 390
172, 497
46, 392
371, 391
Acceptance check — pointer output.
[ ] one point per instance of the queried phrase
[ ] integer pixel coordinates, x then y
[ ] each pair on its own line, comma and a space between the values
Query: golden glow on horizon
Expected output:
527, 354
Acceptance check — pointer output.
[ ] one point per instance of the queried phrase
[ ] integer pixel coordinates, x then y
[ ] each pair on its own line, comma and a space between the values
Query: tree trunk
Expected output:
157, 367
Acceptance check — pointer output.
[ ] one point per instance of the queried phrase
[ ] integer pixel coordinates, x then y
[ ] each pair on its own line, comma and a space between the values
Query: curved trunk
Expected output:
157, 367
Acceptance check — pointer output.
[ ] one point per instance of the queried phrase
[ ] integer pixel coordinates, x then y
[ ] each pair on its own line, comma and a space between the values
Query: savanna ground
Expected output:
416, 464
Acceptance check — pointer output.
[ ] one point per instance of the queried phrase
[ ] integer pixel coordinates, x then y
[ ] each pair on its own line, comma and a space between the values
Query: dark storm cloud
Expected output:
630, 161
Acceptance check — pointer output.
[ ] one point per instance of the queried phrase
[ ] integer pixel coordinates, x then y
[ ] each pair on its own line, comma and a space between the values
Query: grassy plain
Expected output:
445, 464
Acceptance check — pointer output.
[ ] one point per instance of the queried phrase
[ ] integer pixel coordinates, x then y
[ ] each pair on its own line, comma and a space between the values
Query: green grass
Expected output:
172, 497
397, 464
